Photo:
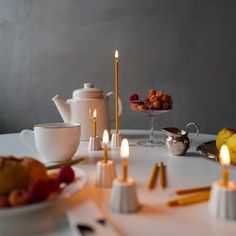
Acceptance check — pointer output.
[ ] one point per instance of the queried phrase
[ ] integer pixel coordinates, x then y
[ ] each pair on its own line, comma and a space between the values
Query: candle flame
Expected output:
124, 150
95, 114
116, 54
224, 155
105, 138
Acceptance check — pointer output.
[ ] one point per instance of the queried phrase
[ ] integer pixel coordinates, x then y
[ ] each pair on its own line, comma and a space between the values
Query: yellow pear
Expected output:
223, 135
231, 143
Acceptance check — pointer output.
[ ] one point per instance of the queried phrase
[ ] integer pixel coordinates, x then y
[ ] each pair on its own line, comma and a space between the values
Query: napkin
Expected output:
88, 214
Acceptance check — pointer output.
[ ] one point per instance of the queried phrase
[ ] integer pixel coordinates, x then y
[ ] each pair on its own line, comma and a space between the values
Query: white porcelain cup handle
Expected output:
120, 106
23, 137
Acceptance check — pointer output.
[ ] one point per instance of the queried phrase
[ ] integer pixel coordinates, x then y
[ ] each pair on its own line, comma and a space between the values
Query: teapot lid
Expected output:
88, 91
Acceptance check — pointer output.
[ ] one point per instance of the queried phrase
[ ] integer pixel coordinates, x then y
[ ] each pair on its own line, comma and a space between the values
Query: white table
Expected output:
155, 217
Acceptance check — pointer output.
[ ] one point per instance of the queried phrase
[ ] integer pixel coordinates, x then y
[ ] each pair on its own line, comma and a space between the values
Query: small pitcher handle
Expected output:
197, 130
120, 106
25, 141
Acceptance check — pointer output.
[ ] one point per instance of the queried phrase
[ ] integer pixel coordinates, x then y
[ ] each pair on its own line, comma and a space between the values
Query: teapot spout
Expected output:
63, 108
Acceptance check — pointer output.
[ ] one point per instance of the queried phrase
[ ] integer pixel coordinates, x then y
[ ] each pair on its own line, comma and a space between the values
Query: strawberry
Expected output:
66, 174
38, 191
134, 97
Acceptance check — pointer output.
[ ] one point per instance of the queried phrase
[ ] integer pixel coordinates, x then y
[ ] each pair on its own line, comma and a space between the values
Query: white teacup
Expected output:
55, 142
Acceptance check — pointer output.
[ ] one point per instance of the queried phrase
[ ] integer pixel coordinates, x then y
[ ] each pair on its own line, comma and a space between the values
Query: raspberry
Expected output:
134, 97
165, 106
148, 105
38, 191
66, 174
151, 92
54, 184
159, 94
166, 98
157, 104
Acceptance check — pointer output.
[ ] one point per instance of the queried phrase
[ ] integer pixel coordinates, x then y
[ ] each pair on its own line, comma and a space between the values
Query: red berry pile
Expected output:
155, 100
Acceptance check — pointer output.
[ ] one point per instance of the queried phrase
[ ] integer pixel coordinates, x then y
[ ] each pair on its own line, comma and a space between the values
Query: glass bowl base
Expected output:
147, 143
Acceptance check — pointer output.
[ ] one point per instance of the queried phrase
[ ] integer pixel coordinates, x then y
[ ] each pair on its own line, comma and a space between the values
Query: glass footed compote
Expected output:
151, 142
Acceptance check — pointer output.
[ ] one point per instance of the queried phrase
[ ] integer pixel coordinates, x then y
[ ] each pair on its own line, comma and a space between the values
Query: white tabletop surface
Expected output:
155, 217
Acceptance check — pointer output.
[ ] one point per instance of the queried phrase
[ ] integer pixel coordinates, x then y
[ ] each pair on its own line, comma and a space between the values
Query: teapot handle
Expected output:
120, 106
197, 130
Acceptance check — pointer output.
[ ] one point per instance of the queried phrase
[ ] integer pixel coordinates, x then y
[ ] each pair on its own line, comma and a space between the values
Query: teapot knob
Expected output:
88, 85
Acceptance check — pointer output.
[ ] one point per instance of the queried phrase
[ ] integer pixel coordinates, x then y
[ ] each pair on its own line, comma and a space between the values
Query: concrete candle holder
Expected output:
105, 174
124, 196
222, 204
94, 143
116, 140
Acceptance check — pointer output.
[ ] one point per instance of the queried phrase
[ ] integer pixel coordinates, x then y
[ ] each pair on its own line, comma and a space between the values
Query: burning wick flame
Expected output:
95, 114
124, 151
105, 138
224, 155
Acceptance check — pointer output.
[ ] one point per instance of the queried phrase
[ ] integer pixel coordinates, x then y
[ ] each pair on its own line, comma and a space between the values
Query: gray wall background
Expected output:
186, 48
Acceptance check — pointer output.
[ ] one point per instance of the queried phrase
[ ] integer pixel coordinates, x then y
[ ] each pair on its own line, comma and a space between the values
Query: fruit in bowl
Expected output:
155, 100
227, 136
26, 181
231, 144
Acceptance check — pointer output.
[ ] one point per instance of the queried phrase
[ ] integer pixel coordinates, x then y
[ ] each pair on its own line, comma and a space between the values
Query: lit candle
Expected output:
225, 161
116, 88
95, 123
105, 140
124, 153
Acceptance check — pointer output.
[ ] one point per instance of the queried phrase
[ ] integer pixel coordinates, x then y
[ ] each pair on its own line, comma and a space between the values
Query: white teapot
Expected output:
80, 108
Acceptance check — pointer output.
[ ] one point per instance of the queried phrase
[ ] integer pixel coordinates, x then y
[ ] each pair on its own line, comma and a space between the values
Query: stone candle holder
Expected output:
105, 173
94, 143
116, 140
222, 204
124, 196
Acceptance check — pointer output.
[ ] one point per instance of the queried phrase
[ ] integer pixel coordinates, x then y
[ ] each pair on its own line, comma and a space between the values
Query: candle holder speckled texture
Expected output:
124, 196
222, 204
94, 144
105, 174
116, 140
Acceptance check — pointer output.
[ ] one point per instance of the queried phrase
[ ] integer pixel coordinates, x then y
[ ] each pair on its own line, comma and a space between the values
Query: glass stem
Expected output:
151, 121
